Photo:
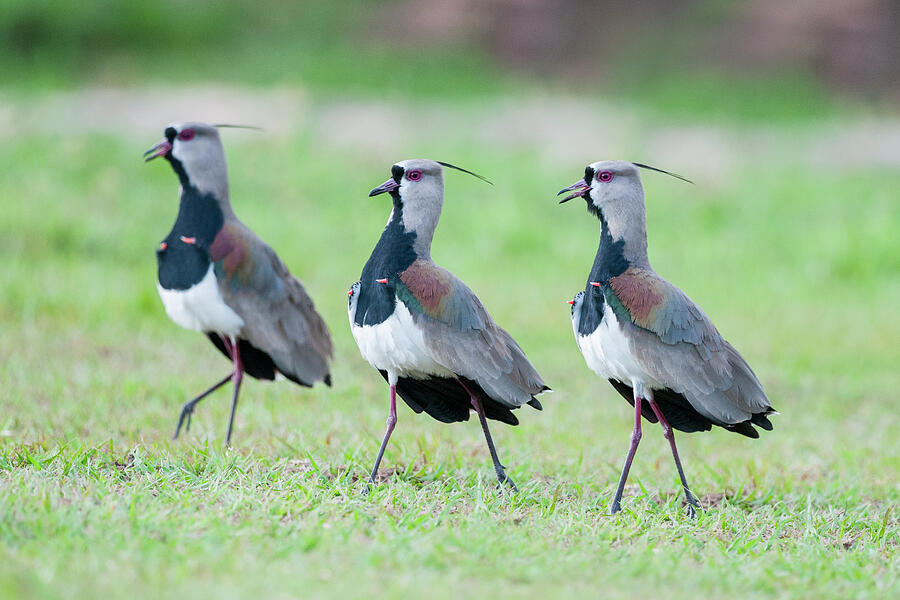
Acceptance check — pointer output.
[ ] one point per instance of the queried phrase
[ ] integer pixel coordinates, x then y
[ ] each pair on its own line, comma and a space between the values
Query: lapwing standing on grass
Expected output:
426, 332
647, 337
218, 277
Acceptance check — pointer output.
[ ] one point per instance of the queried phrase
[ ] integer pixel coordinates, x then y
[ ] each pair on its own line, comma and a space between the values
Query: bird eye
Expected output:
186, 135
605, 176
414, 175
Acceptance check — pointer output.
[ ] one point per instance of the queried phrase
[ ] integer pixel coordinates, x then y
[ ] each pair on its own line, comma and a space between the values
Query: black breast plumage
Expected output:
392, 255
609, 262
183, 256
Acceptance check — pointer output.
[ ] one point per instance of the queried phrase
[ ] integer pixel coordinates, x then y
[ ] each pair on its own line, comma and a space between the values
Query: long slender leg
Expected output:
499, 469
391, 422
188, 409
635, 440
670, 435
236, 377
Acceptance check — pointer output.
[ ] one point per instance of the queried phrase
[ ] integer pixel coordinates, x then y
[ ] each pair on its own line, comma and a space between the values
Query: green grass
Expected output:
799, 268
716, 96
329, 47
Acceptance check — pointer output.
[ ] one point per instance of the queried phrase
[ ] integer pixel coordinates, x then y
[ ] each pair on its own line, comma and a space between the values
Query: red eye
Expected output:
605, 176
186, 135
414, 175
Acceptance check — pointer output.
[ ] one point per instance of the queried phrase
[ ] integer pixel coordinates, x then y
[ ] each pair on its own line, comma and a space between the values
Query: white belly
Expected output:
607, 353
201, 307
397, 346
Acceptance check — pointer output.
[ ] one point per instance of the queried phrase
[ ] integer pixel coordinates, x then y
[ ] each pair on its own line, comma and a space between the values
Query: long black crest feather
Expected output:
254, 127
445, 164
661, 171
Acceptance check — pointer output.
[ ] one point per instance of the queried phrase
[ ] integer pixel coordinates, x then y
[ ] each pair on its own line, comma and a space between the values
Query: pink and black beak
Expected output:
388, 186
161, 149
578, 190
391, 184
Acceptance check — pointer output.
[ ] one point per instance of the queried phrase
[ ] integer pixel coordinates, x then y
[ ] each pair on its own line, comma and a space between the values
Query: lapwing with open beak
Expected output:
427, 333
216, 276
655, 346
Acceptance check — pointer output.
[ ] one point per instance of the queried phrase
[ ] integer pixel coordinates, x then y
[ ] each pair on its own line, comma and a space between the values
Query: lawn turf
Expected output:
799, 267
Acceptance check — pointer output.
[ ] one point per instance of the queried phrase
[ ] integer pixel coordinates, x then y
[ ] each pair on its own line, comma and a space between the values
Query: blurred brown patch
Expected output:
852, 45
298, 465
713, 500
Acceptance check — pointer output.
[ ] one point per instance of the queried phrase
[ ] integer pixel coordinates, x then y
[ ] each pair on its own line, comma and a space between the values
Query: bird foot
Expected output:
512, 485
184, 418
693, 507
370, 484
502, 478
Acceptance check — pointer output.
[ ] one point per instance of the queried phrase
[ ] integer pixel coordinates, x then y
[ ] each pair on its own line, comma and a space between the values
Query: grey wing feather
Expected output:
471, 344
280, 317
690, 356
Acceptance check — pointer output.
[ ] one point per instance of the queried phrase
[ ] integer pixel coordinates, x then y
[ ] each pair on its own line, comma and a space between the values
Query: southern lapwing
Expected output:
647, 337
218, 277
427, 333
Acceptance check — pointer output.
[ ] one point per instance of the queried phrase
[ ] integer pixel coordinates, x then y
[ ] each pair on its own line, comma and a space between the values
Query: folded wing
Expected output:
463, 337
279, 316
678, 346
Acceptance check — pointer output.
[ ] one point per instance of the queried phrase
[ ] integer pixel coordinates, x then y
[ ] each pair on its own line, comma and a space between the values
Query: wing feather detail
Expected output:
461, 335
678, 346
279, 316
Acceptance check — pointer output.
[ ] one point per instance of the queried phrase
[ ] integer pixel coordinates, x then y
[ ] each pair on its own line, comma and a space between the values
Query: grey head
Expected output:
417, 189
614, 193
195, 151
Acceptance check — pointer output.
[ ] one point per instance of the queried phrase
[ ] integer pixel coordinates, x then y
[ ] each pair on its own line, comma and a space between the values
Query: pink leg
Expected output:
670, 435
236, 378
635, 440
499, 469
391, 422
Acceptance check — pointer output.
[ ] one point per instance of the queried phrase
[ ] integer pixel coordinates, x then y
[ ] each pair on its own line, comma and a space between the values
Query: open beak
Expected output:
578, 189
388, 186
161, 149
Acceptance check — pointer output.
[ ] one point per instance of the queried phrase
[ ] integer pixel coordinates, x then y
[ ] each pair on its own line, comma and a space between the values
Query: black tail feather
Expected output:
744, 428
257, 363
762, 420
682, 416
674, 407
444, 399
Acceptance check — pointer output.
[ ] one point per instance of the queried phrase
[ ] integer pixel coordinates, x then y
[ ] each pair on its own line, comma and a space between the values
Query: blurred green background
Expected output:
696, 57
785, 117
